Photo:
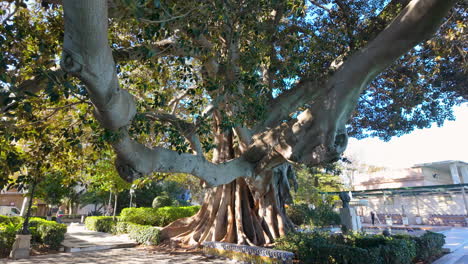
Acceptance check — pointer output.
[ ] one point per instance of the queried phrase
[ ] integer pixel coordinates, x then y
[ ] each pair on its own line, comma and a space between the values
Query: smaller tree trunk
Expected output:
115, 204
25, 230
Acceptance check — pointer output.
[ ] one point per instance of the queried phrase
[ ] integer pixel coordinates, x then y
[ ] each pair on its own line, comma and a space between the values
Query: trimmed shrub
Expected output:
11, 219
323, 248
167, 215
100, 223
141, 215
318, 249
428, 245
322, 215
298, 213
8, 231
162, 201
156, 216
120, 228
46, 232
143, 234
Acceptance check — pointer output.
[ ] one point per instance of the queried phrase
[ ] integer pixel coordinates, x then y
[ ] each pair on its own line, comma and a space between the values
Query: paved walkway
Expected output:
121, 256
456, 240
78, 239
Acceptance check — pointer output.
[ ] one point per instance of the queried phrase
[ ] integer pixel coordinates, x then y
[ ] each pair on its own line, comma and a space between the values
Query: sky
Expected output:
449, 142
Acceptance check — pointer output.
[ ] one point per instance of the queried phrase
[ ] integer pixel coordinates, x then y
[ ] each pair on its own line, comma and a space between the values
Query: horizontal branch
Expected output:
87, 55
188, 130
134, 160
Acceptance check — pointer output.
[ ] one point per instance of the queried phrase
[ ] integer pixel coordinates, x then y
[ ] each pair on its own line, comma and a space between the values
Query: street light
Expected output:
132, 191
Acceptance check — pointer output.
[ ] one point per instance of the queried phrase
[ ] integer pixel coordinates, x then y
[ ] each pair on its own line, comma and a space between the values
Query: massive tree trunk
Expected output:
238, 212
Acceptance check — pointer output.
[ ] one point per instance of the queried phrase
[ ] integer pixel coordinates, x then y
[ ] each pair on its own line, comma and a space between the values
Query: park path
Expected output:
86, 247
456, 241
79, 239
121, 256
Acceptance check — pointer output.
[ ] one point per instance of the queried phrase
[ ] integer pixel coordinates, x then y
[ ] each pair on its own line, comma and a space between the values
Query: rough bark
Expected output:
238, 212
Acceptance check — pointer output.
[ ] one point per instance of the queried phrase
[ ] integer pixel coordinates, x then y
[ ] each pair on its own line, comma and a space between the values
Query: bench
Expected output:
249, 254
447, 220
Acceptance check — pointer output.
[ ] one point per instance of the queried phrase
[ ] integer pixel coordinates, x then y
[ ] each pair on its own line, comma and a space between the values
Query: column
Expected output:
464, 173
454, 174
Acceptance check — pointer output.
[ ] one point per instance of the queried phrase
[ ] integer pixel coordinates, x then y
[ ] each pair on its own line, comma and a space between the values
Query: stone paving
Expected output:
78, 239
456, 241
121, 256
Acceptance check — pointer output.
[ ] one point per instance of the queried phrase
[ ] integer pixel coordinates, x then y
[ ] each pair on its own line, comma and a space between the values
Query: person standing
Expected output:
372, 215
59, 215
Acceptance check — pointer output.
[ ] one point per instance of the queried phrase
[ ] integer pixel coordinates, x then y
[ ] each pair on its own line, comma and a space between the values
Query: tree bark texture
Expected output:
238, 212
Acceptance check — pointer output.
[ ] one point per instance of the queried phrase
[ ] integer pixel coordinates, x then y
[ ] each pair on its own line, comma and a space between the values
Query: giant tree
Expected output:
233, 92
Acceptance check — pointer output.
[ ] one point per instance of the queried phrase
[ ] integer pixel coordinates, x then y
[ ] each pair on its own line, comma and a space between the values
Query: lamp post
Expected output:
132, 191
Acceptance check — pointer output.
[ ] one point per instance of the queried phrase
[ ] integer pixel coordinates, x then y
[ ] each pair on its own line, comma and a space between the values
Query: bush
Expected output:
323, 248
162, 201
398, 251
156, 216
141, 215
427, 246
46, 232
100, 223
298, 213
317, 248
321, 216
8, 231
143, 234
11, 219
167, 215
120, 228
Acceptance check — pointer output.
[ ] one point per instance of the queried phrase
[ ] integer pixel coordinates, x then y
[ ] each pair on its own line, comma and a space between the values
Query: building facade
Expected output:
428, 193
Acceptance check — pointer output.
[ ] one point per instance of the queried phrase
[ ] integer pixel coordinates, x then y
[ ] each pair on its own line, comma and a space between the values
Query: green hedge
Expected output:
323, 248
100, 223
8, 231
143, 234
11, 219
323, 215
156, 216
427, 246
45, 232
48, 233
120, 228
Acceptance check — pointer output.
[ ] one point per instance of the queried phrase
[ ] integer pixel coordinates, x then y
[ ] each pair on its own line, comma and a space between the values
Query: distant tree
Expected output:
312, 180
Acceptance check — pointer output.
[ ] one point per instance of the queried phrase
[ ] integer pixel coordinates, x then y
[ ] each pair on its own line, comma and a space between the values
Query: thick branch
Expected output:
323, 124
135, 159
87, 55
188, 130
280, 108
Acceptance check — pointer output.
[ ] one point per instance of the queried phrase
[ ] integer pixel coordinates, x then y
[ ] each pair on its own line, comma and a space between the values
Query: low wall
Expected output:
249, 254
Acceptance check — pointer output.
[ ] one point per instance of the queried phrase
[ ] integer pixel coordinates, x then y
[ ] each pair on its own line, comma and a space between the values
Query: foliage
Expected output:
54, 188
162, 201
156, 216
11, 219
324, 248
318, 249
143, 234
8, 230
120, 228
320, 216
427, 246
100, 223
49, 233
147, 189
140, 215
312, 180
